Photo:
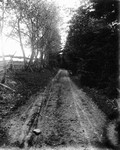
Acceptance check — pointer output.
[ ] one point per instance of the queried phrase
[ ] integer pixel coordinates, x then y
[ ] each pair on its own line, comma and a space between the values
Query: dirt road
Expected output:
70, 116
64, 114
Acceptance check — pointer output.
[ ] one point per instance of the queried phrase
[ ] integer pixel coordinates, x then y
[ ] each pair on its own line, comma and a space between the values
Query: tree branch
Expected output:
7, 87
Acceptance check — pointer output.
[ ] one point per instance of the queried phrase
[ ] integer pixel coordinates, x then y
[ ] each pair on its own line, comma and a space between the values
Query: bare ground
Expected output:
65, 116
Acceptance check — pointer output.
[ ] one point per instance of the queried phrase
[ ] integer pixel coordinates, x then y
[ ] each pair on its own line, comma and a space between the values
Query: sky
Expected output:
11, 46
66, 15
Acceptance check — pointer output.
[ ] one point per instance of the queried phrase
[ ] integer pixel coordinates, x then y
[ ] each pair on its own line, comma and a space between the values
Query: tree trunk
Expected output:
21, 44
32, 54
1, 40
41, 59
32, 57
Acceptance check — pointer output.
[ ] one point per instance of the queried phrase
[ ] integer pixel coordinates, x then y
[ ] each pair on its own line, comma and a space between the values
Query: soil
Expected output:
63, 113
26, 85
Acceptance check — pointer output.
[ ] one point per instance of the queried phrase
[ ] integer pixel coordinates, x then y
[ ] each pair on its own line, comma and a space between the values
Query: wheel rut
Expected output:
64, 114
70, 115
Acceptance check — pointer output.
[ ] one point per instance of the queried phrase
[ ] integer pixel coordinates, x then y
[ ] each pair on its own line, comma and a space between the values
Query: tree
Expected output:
2, 20
92, 47
20, 38
108, 9
40, 21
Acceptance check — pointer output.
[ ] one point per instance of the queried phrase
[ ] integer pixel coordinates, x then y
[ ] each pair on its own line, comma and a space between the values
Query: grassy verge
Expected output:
26, 85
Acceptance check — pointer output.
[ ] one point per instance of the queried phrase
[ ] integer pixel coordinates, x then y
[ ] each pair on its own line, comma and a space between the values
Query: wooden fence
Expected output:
14, 57
16, 61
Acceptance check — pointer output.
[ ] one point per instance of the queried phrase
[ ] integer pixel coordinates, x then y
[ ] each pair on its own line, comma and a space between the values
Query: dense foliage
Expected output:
91, 50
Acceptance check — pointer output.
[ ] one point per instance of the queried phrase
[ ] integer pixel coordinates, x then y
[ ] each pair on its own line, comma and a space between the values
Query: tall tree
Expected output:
2, 20
108, 9
21, 44
92, 45
40, 20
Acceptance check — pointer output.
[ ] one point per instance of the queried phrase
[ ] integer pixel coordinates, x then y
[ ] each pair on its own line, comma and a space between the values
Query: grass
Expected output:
57, 148
26, 84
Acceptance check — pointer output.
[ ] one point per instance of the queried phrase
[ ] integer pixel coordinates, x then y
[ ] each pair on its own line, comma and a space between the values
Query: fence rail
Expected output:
17, 57
16, 64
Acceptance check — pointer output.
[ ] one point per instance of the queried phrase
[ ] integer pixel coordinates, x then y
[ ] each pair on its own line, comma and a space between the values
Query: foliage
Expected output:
108, 106
108, 9
92, 46
38, 28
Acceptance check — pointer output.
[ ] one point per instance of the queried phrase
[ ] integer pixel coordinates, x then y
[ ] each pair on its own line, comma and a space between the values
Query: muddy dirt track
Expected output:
64, 114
